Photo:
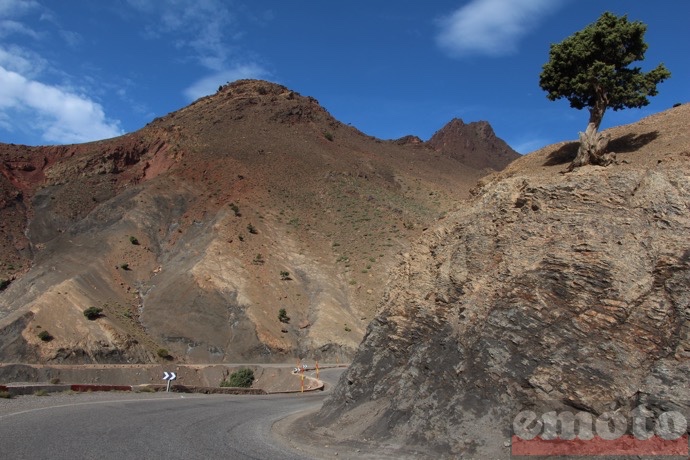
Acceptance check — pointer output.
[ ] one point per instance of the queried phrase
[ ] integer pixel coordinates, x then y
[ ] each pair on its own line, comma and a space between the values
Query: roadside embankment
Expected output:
17, 379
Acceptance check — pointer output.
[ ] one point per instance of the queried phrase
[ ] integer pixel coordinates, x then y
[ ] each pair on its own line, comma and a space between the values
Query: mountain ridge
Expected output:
222, 197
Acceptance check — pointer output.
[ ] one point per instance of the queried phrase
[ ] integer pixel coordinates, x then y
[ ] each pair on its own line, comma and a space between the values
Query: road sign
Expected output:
169, 376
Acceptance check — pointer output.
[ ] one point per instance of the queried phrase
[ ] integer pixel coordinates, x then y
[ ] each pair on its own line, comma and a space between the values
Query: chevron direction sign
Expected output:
169, 376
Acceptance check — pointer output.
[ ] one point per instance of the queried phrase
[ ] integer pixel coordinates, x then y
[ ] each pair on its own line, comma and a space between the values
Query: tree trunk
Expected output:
592, 143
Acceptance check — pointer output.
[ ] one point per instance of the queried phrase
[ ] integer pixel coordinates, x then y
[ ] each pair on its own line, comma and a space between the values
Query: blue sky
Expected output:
77, 70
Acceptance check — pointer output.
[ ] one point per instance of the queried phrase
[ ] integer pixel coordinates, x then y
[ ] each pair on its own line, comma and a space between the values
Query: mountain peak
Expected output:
474, 144
249, 86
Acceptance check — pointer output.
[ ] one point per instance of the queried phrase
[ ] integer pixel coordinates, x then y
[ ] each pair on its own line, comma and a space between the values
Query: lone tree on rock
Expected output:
591, 68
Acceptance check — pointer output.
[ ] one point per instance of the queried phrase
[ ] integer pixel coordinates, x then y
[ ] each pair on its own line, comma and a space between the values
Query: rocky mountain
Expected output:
193, 233
550, 291
474, 144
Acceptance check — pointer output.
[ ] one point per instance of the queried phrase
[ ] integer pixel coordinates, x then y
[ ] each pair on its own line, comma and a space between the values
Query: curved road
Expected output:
149, 426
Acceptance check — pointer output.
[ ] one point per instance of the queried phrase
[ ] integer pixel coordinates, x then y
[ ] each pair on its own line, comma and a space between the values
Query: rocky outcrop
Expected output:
560, 291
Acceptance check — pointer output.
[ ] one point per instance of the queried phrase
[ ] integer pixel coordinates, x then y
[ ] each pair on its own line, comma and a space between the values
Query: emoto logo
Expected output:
643, 432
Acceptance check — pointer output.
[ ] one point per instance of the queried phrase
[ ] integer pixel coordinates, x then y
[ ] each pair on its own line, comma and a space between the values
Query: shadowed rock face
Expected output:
551, 291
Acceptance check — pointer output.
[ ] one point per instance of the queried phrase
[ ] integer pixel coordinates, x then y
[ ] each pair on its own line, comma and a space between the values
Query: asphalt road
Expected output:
148, 426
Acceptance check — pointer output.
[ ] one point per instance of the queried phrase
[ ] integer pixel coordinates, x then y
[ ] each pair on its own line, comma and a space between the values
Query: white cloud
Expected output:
61, 116
209, 85
491, 27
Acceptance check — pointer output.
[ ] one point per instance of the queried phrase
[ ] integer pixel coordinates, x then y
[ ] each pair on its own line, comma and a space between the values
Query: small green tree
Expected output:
242, 378
285, 276
591, 68
93, 313
282, 316
235, 209
134, 240
45, 336
163, 353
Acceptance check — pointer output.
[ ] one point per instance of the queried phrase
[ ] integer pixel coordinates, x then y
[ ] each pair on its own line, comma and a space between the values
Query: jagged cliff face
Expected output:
561, 290
247, 201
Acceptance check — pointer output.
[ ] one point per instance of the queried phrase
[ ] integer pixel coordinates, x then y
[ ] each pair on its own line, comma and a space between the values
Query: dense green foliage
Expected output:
242, 378
591, 68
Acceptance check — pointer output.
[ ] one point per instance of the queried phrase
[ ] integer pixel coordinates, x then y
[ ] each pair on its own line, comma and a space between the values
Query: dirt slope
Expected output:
194, 232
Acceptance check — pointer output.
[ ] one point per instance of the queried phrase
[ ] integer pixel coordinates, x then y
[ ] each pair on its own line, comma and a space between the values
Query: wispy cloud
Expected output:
203, 27
491, 27
209, 31
9, 27
21, 60
61, 116
16, 7
525, 145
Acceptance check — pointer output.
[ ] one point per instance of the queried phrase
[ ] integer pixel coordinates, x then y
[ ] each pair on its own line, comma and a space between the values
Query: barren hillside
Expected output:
194, 232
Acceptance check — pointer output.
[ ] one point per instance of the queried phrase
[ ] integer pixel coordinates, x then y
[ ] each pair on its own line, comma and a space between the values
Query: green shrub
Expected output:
242, 378
285, 276
258, 260
41, 393
45, 336
282, 316
134, 240
4, 284
5, 395
125, 266
163, 353
328, 135
93, 313
235, 209
251, 229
